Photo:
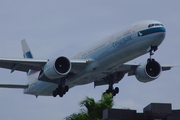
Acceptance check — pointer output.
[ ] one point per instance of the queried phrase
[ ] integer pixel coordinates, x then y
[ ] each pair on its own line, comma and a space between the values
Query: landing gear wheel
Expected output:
117, 90
111, 90
54, 93
61, 94
60, 91
66, 88
108, 91
114, 93
149, 60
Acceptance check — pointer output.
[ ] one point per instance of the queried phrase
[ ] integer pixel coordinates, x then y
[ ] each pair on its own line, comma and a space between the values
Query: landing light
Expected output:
88, 61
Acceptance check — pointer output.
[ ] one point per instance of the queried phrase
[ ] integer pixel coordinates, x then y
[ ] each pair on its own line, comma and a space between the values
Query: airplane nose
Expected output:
158, 32
158, 35
162, 32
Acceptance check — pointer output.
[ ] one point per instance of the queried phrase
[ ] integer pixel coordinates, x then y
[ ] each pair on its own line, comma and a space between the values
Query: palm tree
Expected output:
94, 110
79, 116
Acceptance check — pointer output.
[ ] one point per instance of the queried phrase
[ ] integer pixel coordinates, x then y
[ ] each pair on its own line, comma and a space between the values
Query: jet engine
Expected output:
55, 68
148, 71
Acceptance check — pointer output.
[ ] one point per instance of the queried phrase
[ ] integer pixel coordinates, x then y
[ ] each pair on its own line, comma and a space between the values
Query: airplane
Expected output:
104, 63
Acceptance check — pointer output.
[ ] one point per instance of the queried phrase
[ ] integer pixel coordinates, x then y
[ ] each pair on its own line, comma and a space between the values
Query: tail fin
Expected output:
27, 54
26, 50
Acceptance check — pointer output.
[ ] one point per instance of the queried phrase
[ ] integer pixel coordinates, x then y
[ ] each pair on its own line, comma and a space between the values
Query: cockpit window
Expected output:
151, 25
157, 24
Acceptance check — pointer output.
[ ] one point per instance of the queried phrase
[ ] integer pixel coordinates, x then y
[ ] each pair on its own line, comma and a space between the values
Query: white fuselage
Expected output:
113, 51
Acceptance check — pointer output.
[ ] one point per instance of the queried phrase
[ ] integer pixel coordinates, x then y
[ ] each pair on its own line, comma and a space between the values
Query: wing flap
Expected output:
13, 86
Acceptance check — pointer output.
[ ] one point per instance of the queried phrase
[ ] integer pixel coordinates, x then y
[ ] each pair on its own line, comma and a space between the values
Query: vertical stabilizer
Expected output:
26, 50
27, 54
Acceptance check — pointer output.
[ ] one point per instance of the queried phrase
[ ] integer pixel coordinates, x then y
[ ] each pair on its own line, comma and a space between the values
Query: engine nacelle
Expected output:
55, 68
148, 71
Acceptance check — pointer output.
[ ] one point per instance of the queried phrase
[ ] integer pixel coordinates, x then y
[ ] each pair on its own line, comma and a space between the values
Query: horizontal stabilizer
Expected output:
13, 86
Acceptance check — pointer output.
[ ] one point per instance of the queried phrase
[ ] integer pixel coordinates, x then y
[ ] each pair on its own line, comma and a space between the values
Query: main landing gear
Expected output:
112, 91
60, 91
109, 80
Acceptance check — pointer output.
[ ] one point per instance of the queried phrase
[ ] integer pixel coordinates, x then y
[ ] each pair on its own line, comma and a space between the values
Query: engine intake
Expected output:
62, 65
153, 68
55, 68
148, 71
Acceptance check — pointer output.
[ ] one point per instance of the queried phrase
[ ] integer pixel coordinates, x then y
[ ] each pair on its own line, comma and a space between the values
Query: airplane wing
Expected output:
128, 68
36, 64
131, 67
22, 64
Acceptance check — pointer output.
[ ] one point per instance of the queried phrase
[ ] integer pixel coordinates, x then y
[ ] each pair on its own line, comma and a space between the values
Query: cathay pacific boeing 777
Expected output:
102, 63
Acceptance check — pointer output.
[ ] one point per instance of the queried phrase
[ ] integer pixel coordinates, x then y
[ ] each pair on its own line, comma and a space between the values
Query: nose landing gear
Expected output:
151, 50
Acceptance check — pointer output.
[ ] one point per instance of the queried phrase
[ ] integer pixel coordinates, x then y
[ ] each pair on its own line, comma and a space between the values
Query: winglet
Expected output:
26, 50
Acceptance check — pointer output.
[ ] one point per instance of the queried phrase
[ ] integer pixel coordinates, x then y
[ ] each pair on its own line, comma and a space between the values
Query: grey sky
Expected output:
59, 27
